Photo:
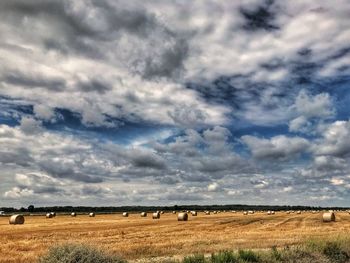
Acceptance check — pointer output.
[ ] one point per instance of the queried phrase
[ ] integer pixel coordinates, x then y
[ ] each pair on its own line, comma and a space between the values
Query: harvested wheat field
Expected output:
136, 237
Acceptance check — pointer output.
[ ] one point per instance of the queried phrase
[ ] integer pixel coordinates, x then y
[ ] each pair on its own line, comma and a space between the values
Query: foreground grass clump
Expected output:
248, 256
194, 259
336, 251
73, 253
225, 256
243, 256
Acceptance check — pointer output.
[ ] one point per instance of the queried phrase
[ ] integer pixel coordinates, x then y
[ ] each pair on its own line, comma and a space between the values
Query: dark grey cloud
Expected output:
260, 17
186, 116
95, 190
95, 86
19, 79
146, 160
19, 157
168, 64
330, 164
68, 170
169, 180
277, 148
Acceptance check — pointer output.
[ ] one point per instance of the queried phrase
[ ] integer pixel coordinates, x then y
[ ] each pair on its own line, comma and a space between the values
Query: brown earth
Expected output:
135, 237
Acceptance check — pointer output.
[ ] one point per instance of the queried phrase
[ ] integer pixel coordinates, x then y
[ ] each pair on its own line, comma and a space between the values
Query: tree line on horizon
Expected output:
116, 209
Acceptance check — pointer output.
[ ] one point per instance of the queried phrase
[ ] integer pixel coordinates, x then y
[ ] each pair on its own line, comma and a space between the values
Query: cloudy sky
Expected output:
174, 102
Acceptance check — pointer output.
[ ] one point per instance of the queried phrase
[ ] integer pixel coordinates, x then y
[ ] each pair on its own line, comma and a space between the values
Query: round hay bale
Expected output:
328, 217
49, 215
174, 212
233, 211
125, 214
156, 215
207, 212
182, 217
269, 212
73, 214
16, 220
162, 212
272, 212
194, 213
298, 212
143, 214
53, 214
250, 212
91, 214
245, 213
215, 212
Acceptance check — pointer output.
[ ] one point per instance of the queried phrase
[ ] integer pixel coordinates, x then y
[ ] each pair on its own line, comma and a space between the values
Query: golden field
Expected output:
135, 237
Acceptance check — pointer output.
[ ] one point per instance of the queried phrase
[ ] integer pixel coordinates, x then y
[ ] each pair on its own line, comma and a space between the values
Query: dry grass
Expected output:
136, 237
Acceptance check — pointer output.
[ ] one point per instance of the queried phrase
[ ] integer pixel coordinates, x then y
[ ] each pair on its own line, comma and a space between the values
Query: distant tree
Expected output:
22, 209
30, 208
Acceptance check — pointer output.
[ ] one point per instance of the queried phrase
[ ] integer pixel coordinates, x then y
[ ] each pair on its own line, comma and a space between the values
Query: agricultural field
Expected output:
135, 237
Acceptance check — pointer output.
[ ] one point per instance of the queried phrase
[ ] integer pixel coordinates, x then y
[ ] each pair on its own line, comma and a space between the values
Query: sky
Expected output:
112, 103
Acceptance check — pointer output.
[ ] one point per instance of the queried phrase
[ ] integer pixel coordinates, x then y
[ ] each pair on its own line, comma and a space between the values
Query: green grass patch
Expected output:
224, 257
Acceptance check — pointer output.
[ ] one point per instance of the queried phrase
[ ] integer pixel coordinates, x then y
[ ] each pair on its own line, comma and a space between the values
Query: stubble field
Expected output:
135, 237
